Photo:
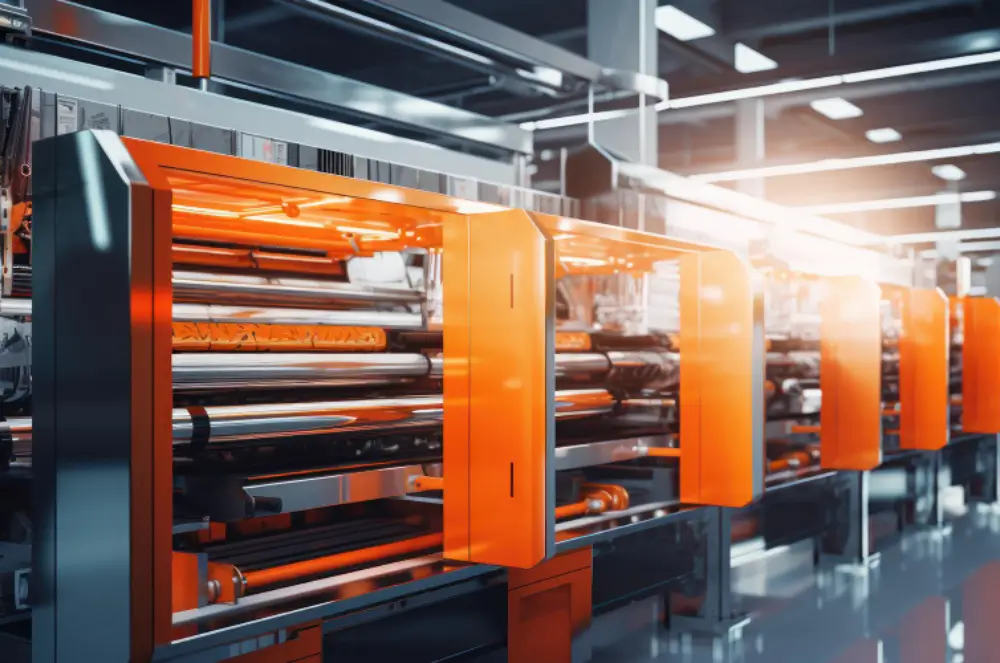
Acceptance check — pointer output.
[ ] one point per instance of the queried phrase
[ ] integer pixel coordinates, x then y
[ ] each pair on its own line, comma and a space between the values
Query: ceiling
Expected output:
807, 38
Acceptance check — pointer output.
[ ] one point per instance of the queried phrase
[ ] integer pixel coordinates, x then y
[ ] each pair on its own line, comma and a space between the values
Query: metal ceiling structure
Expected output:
474, 69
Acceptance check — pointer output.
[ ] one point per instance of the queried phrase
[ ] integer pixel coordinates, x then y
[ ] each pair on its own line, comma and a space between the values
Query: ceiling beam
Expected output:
775, 18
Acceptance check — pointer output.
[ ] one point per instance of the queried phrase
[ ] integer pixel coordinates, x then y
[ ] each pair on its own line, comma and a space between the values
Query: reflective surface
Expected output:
931, 598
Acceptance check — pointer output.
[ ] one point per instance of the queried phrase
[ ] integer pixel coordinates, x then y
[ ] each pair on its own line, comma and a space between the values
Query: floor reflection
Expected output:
931, 598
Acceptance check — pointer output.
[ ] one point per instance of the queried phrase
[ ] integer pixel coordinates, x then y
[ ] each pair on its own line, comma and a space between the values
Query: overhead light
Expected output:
949, 172
782, 87
900, 203
922, 67
681, 26
747, 60
946, 236
828, 165
836, 108
883, 135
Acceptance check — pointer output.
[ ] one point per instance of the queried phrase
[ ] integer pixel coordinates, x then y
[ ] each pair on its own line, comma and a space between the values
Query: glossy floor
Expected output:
930, 598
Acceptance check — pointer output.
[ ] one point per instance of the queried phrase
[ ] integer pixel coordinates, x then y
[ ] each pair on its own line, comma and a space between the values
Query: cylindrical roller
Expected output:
10, 307
19, 428
261, 290
580, 403
257, 370
242, 423
622, 359
567, 364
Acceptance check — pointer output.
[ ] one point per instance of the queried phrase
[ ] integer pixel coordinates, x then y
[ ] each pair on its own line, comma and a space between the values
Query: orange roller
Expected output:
256, 580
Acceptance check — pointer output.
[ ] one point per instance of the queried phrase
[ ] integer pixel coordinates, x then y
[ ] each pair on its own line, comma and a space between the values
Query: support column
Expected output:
750, 146
623, 35
549, 610
715, 614
850, 539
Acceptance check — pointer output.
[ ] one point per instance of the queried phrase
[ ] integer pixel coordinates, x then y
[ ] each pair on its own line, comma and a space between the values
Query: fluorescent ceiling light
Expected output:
883, 135
782, 87
681, 26
828, 165
836, 108
747, 60
945, 236
900, 203
949, 172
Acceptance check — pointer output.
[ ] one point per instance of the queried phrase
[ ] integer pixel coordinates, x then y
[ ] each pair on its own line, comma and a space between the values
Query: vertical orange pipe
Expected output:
201, 39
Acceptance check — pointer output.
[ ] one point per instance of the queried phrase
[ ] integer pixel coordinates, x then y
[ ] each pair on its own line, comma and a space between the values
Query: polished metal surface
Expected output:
581, 403
13, 307
567, 364
283, 291
211, 370
934, 597
299, 494
239, 423
601, 453
159, 45
19, 67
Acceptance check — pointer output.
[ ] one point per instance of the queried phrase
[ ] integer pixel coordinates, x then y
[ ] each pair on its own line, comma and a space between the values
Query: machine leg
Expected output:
549, 610
302, 645
850, 544
716, 615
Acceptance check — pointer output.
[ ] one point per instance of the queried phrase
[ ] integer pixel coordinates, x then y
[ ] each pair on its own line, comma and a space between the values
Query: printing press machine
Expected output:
348, 440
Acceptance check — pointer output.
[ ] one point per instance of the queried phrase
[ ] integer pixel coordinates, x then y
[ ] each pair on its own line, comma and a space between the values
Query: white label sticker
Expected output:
67, 115
264, 149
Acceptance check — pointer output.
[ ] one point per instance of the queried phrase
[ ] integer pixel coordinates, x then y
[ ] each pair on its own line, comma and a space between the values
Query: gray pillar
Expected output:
623, 35
750, 150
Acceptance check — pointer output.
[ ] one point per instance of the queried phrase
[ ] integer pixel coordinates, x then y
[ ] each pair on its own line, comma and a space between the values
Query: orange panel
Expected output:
455, 270
509, 382
851, 375
722, 380
981, 365
547, 607
924, 371
185, 581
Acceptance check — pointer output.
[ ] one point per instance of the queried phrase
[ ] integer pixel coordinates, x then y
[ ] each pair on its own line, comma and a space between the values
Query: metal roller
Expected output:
208, 287
263, 370
16, 308
567, 364
242, 423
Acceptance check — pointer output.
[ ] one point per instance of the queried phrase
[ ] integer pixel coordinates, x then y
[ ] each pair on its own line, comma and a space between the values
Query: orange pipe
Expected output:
663, 452
805, 429
255, 580
428, 483
201, 39
573, 510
